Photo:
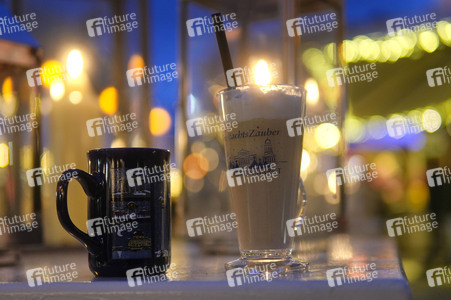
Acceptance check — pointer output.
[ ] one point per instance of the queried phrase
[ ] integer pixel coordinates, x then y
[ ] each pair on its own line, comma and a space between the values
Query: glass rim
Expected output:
246, 86
127, 149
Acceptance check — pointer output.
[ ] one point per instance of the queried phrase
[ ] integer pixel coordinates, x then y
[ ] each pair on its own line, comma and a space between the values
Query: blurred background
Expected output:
97, 87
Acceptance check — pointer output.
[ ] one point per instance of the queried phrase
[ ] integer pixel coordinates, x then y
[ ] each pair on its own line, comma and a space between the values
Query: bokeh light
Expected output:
212, 157
159, 121
195, 166
431, 120
429, 41
305, 160
4, 155
377, 127
57, 90
136, 61
332, 182
51, 71
312, 89
176, 183
75, 97
354, 129
327, 135
74, 64
108, 100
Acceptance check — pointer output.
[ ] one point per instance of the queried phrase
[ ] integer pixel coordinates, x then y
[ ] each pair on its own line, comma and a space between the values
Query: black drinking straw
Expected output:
223, 47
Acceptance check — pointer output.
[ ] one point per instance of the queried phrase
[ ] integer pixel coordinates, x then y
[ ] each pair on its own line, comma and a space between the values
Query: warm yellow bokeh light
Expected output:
52, 71
9, 105
4, 155
75, 97
262, 75
108, 100
176, 183
444, 31
354, 129
195, 166
431, 120
136, 61
332, 182
159, 121
429, 41
312, 89
57, 90
305, 160
74, 64
7, 89
350, 51
327, 135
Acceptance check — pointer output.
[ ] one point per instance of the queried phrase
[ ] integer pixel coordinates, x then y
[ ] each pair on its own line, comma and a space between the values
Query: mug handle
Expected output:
92, 185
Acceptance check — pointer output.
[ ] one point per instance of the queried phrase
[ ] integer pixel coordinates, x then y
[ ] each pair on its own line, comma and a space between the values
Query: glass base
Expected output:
267, 261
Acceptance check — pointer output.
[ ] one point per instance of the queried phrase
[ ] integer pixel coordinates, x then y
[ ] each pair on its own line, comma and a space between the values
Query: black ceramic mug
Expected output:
129, 207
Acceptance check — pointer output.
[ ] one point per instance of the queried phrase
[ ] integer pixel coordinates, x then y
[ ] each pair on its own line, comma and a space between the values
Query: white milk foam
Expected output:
270, 102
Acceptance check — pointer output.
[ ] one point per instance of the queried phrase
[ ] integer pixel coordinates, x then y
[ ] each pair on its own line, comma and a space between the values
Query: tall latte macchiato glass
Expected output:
263, 154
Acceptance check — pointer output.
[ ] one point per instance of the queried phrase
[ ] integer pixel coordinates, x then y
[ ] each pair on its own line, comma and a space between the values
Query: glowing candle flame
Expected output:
262, 74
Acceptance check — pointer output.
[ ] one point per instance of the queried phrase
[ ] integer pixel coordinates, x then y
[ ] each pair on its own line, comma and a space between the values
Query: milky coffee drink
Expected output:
263, 162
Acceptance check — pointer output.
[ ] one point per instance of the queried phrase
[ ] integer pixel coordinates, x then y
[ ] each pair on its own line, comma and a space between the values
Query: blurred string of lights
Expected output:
382, 49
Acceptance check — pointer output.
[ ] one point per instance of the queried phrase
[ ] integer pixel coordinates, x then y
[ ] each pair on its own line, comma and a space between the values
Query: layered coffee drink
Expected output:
263, 164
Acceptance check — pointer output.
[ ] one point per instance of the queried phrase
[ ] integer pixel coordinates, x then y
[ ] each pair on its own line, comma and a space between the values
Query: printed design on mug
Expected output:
136, 243
127, 200
247, 167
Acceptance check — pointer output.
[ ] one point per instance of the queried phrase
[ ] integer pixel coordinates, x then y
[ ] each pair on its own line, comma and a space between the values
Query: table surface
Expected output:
203, 276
